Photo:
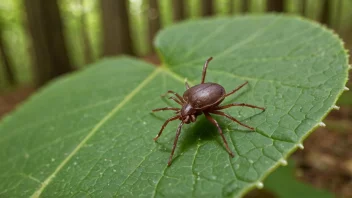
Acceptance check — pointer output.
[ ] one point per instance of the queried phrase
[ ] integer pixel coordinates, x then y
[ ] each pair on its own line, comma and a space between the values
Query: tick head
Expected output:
187, 110
188, 114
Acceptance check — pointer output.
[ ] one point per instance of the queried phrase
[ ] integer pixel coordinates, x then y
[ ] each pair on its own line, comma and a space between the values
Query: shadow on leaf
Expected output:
200, 132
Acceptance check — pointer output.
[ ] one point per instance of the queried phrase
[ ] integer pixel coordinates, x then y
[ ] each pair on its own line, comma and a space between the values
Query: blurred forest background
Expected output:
43, 39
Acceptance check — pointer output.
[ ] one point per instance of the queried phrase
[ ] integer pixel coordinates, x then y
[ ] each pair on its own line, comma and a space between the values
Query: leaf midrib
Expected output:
91, 133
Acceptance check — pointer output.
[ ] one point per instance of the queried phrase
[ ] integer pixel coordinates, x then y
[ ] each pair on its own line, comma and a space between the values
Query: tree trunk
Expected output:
303, 7
338, 15
116, 28
87, 48
153, 22
50, 53
178, 10
245, 5
6, 62
207, 7
325, 13
275, 5
231, 6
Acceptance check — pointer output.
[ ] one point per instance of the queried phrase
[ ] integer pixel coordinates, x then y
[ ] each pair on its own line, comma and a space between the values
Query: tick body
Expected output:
204, 98
204, 95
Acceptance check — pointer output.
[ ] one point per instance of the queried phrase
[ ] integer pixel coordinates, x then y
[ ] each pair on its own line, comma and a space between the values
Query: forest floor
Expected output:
326, 161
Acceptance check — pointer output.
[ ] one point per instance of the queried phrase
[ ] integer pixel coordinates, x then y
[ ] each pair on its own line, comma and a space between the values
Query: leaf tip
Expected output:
346, 89
283, 162
259, 185
336, 107
322, 124
300, 146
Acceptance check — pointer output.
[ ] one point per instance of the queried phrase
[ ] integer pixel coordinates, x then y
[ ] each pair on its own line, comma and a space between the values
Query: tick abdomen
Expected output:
204, 95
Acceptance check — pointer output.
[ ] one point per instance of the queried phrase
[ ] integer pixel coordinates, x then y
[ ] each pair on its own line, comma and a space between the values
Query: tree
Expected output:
275, 5
245, 5
153, 21
303, 7
338, 14
207, 7
325, 13
6, 62
87, 48
117, 35
51, 58
231, 6
178, 10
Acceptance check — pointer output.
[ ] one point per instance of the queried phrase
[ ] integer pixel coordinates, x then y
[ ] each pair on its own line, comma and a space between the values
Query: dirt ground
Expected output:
9, 100
326, 161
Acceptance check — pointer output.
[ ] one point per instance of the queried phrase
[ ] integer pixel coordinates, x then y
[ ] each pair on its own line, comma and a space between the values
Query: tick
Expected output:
204, 98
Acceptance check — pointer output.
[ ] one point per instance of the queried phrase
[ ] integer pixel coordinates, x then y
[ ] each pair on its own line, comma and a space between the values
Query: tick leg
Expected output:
176, 100
187, 85
176, 94
211, 119
164, 125
175, 143
240, 104
231, 118
165, 108
204, 73
238, 88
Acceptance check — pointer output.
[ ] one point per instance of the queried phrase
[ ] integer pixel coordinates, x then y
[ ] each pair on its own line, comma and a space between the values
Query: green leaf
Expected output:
90, 133
292, 188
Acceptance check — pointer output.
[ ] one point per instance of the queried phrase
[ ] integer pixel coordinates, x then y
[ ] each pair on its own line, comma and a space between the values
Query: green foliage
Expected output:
90, 133
15, 40
345, 100
283, 184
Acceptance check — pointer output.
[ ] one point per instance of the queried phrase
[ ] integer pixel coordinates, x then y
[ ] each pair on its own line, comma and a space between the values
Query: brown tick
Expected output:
203, 98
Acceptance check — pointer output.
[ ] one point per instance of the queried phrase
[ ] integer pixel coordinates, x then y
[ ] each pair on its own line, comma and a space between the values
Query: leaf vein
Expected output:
193, 173
134, 170
47, 181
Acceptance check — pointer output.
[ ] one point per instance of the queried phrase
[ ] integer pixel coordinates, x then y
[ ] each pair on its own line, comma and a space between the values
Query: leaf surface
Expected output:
90, 133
